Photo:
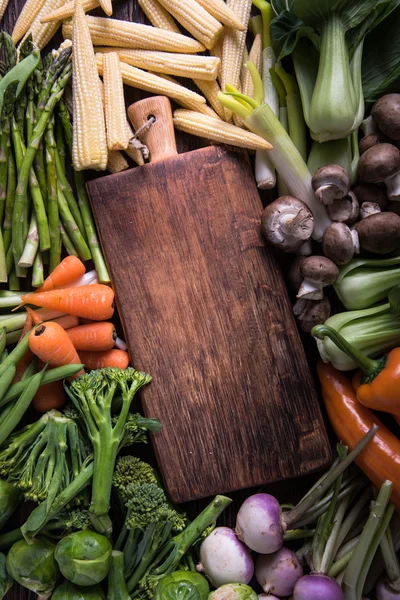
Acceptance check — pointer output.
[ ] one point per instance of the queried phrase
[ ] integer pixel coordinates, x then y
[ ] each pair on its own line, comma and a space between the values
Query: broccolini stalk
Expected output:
260, 119
116, 585
92, 394
171, 555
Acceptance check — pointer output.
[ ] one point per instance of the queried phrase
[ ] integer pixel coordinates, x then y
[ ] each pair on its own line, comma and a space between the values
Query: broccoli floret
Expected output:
92, 395
148, 504
130, 470
66, 522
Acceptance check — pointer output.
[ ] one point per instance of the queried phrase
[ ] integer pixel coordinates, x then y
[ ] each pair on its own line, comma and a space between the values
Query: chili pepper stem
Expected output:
294, 515
369, 366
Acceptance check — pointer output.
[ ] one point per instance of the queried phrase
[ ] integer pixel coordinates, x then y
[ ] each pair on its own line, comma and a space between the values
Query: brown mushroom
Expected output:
339, 243
294, 275
382, 164
379, 233
330, 182
309, 313
369, 208
372, 140
317, 272
344, 210
370, 192
287, 223
386, 114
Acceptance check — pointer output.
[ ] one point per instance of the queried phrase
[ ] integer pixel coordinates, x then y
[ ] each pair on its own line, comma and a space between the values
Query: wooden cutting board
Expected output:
205, 311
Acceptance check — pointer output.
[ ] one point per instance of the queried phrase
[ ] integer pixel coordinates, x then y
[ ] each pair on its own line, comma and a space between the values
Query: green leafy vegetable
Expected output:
183, 585
34, 566
5, 580
10, 498
84, 557
69, 591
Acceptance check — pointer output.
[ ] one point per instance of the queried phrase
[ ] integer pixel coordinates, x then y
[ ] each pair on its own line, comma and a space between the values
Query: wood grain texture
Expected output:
205, 312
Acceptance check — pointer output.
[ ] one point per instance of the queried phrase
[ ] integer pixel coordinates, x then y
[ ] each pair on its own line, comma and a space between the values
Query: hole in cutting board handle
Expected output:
153, 118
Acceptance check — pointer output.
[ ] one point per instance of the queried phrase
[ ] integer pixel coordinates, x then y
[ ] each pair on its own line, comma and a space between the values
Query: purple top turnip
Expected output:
278, 573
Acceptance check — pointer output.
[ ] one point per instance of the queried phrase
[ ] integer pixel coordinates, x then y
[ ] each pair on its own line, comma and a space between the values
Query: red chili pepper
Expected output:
351, 420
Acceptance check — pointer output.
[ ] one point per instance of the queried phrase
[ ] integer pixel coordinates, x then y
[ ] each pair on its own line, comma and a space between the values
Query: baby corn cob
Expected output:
134, 152
191, 104
26, 17
217, 49
43, 32
118, 135
203, 26
112, 32
3, 6
158, 16
255, 56
210, 90
106, 6
233, 45
116, 162
89, 143
222, 12
181, 65
67, 10
151, 82
217, 131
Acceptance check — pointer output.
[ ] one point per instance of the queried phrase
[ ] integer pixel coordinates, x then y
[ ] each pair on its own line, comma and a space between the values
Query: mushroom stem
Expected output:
311, 290
393, 187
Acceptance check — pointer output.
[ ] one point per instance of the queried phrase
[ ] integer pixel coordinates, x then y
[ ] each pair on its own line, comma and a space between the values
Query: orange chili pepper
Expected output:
380, 460
379, 387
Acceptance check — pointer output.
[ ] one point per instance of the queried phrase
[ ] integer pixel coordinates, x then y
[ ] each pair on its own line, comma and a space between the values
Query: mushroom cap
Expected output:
386, 113
368, 141
311, 312
379, 233
379, 163
294, 276
287, 223
345, 209
319, 269
330, 182
338, 244
370, 192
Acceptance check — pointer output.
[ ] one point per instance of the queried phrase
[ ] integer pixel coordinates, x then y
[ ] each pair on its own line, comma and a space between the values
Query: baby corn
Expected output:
222, 12
189, 13
191, 104
66, 11
118, 135
106, 6
112, 32
43, 32
150, 82
158, 16
26, 17
89, 142
210, 90
181, 65
217, 131
116, 162
233, 45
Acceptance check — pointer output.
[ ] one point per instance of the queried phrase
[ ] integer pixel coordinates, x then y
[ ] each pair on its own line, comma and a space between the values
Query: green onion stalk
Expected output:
264, 168
364, 282
373, 332
286, 158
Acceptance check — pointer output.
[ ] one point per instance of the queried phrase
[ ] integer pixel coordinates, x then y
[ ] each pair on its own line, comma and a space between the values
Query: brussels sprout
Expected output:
69, 591
183, 585
234, 591
5, 580
33, 565
84, 557
10, 497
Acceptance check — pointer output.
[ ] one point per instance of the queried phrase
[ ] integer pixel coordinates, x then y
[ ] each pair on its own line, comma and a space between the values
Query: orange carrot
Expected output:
109, 358
94, 337
70, 269
36, 319
51, 344
88, 301
28, 357
50, 396
67, 322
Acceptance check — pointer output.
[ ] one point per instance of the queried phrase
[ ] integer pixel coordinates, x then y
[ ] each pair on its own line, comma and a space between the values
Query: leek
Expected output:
264, 169
365, 282
373, 331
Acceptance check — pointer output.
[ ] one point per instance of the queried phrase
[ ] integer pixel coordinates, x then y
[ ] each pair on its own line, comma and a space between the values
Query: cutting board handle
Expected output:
160, 137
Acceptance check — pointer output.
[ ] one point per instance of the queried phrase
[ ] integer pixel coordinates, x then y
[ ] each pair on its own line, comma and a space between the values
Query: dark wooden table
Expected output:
287, 491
